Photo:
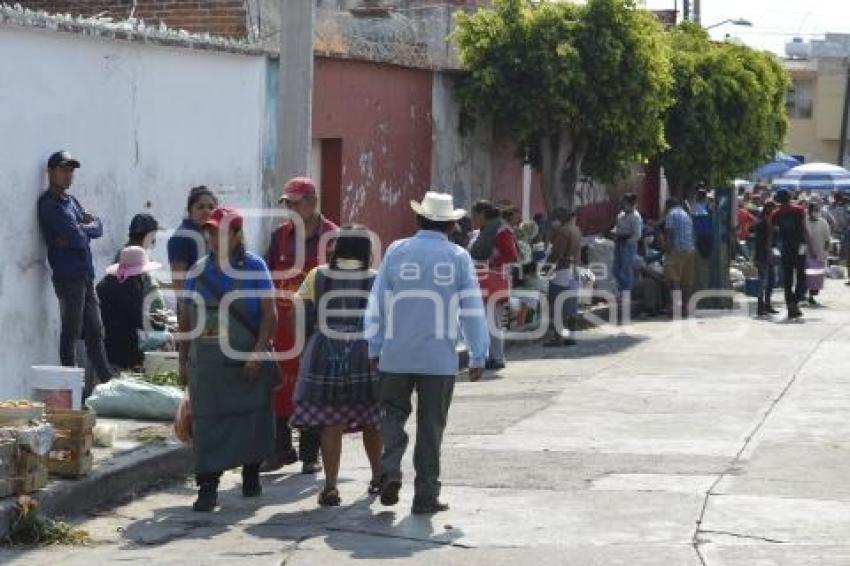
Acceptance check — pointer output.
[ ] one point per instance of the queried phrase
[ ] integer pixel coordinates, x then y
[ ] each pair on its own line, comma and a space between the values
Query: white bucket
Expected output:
58, 387
159, 362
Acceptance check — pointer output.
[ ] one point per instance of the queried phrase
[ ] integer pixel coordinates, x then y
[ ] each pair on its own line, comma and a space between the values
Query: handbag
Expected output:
183, 421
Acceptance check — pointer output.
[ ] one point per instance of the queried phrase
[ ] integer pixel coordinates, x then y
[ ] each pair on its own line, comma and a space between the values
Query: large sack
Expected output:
133, 399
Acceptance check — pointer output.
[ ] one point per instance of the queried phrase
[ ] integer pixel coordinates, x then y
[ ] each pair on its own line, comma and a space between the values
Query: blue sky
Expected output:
774, 21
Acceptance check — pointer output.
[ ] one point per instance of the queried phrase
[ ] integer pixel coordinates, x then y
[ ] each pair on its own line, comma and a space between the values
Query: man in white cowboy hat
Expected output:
424, 300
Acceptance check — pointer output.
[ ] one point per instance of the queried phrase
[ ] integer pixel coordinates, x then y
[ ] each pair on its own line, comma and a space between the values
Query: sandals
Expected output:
329, 497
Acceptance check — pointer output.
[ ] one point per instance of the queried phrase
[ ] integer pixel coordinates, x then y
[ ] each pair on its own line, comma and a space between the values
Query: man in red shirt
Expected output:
790, 223
301, 198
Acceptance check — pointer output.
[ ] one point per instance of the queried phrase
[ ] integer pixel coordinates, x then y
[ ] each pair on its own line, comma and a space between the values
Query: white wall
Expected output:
147, 122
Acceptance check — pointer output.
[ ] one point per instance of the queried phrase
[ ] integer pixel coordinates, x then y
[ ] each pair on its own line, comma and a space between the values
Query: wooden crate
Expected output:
31, 472
70, 455
71, 423
8, 467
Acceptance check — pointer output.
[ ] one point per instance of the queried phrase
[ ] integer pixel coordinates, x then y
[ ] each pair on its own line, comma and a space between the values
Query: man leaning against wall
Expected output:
68, 230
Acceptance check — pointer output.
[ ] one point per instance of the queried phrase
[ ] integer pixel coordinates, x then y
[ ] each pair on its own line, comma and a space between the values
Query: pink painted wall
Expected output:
382, 114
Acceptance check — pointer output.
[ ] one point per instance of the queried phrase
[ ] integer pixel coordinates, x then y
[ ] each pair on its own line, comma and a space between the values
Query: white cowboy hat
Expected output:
132, 261
438, 207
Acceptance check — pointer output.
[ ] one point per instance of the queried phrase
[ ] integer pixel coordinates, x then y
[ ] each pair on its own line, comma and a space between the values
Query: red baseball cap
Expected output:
298, 188
229, 216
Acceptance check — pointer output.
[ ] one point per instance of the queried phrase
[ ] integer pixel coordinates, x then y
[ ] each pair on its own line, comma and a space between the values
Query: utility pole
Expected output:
295, 97
686, 10
697, 12
842, 140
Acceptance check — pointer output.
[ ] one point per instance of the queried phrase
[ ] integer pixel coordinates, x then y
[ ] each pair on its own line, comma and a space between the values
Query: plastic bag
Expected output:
133, 399
183, 421
38, 439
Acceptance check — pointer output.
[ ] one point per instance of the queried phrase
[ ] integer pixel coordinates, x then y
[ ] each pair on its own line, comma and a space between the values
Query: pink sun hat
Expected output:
132, 261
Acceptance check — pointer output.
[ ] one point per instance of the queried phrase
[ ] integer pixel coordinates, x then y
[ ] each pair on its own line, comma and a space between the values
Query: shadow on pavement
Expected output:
358, 531
587, 346
181, 522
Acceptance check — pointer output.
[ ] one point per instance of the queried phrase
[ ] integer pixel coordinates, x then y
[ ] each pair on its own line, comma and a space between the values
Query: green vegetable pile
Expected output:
163, 378
30, 528
169, 378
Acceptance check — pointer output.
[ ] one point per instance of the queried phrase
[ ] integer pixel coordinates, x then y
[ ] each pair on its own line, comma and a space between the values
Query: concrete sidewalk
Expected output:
144, 454
716, 441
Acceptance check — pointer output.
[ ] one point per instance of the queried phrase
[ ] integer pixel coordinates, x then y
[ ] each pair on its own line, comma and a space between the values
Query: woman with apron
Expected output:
337, 391
228, 367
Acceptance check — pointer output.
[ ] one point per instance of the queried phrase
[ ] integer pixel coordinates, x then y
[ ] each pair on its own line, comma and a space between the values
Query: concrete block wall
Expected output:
218, 17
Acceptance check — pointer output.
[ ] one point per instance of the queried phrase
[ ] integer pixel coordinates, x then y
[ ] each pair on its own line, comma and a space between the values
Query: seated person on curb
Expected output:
122, 297
649, 294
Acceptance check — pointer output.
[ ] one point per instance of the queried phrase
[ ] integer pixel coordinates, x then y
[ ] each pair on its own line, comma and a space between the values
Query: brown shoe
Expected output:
329, 497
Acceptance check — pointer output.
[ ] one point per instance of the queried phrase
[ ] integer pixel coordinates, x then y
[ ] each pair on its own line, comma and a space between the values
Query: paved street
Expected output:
721, 441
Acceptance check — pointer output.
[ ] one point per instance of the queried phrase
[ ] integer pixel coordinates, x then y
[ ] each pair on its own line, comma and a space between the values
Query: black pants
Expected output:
79, 309
308, 444
767, 281
248, 471
794, 267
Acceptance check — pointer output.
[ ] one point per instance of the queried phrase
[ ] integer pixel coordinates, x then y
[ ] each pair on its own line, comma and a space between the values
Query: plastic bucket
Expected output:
159, 362
58, 387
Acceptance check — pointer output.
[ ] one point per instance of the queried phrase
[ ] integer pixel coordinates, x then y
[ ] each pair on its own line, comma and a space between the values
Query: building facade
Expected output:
815, 99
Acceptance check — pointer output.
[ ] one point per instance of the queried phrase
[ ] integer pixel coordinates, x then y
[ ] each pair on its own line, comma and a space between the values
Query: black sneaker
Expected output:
310, 468
389, 493
771, 310
207, 499
428, 507
494, 365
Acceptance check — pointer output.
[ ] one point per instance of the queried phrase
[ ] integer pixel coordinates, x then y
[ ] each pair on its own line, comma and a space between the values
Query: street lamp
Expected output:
735, 22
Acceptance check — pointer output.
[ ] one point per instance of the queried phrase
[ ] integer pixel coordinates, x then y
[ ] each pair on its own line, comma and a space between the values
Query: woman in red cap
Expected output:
297, 246
231, 378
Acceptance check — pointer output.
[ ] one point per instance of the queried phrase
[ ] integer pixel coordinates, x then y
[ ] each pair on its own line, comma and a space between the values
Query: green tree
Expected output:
729, 115
581, 89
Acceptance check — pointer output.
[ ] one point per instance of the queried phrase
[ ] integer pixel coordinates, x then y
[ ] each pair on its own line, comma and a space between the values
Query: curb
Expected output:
110, 481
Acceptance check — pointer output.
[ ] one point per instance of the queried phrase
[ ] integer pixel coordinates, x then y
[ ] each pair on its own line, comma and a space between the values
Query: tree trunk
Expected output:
561, 164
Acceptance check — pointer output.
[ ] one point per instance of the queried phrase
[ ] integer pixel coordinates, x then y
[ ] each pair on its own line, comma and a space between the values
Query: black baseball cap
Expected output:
61, 159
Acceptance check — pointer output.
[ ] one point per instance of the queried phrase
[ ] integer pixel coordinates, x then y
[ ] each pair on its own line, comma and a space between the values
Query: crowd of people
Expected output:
313, 337
238, 328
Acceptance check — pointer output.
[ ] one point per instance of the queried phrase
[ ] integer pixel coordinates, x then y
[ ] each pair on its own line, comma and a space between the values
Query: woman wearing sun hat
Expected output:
122, 299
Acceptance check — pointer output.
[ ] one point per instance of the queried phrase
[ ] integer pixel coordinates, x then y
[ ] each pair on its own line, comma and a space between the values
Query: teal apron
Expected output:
232, 417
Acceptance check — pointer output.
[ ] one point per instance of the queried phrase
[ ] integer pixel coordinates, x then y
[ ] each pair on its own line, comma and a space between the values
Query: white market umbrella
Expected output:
815, 177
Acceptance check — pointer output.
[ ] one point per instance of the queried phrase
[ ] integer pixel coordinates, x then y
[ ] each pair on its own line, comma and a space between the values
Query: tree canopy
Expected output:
729, 111
582, 89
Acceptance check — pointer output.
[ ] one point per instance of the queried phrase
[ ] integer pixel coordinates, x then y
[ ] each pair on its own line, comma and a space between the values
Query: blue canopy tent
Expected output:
815, 177
776, 168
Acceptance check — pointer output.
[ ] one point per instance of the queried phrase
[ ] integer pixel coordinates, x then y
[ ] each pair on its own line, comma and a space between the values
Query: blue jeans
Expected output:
624, 260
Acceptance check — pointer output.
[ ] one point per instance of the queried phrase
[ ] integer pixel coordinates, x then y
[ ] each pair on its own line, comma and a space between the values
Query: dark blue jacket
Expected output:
67, 238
